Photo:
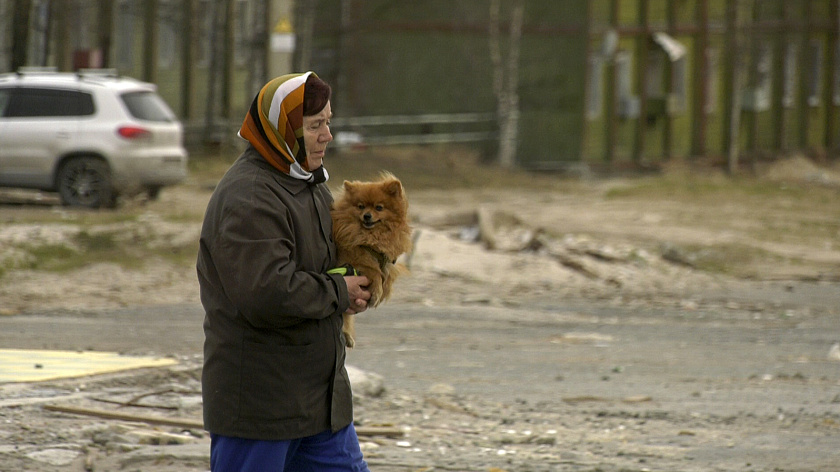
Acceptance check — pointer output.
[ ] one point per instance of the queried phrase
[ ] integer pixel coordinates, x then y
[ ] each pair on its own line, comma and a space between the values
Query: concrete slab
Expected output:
22, 365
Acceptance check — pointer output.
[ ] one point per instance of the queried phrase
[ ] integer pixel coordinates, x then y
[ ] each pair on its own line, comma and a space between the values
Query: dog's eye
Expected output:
379, 208
361, 206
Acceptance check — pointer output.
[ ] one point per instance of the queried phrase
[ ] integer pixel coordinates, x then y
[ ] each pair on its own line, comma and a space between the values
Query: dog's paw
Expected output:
349, 341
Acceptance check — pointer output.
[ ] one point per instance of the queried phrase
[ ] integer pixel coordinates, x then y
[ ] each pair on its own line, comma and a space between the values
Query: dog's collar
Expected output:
344, 270
381, 257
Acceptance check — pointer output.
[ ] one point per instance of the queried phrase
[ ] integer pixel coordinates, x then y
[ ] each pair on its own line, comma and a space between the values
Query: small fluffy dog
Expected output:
371, 230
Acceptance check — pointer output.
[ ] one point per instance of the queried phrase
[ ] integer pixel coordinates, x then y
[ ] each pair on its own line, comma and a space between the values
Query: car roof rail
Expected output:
36, 70
110, 73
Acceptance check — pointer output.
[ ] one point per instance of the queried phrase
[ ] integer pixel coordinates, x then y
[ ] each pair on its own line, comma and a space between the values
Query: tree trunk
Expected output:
189, 12
345, 94
228, 53
20, 32
260, 36
506, 79
304, 29
105, 30
734, 111
213, 78
63, 46
150, 41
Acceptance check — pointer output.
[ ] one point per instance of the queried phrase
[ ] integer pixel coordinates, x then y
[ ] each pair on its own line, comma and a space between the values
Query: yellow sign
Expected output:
284, 26
19, 365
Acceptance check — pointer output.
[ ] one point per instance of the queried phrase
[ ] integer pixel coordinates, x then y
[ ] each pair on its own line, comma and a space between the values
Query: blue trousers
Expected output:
324, 452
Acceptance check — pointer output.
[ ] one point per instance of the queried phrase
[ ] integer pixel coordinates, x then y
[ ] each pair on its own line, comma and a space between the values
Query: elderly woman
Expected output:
276, 393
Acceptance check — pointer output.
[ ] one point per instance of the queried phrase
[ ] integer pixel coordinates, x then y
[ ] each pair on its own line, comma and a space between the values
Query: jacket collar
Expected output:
289, 183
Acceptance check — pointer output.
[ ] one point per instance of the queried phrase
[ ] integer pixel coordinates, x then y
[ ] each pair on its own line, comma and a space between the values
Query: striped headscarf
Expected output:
274, 126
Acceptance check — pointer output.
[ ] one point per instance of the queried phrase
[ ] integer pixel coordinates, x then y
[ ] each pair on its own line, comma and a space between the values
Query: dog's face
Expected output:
376, 206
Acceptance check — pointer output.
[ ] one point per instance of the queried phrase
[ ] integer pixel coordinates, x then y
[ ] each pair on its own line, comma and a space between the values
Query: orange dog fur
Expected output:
371, 230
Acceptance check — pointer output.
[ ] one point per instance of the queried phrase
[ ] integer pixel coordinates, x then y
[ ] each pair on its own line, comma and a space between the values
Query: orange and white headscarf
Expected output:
274, 126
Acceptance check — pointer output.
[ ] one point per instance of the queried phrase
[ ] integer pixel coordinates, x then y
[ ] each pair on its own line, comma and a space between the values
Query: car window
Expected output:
147, 106
37, 102
4, 100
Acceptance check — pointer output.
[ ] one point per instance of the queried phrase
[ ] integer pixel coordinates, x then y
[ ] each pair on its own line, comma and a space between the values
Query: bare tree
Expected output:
227, 59
150, 40
305, 19
260, 17
506, 79
734, 117
59, 12
20, 32
217, 12
190, 32
105, 30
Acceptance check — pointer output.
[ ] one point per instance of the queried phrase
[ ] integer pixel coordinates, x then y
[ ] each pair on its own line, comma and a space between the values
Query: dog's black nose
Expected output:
367, 217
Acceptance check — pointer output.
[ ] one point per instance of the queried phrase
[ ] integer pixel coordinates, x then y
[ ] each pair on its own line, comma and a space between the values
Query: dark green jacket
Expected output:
273, 349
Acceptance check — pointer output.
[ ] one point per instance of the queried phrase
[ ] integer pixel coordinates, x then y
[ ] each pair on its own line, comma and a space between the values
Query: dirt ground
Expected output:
584, 326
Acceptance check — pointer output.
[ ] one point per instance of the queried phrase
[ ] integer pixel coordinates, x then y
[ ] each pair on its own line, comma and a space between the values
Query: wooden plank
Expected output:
113, 415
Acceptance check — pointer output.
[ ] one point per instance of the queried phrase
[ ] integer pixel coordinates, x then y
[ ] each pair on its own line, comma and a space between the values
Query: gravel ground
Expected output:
559, 332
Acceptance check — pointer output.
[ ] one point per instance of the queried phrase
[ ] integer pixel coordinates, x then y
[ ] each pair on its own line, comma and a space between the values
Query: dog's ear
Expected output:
394, 188
348, 186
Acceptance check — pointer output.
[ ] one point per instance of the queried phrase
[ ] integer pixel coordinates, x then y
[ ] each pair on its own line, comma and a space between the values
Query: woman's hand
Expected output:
358, 293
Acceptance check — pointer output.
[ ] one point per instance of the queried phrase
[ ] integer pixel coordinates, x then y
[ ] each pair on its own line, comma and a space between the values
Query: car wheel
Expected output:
86, 182
153, 192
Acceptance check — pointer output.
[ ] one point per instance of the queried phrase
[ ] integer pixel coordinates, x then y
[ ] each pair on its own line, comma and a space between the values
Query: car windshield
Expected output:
147, 106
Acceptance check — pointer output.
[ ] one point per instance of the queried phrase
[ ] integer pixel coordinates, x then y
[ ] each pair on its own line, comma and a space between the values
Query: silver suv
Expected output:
91, 136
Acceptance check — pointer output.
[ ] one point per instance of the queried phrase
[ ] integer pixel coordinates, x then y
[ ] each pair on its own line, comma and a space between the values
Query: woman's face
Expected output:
316, 136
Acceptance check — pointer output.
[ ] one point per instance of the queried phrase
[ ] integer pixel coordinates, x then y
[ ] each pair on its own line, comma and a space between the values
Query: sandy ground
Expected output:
503, 245
508, 253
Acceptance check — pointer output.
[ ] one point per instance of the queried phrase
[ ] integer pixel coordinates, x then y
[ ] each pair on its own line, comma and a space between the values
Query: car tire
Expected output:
153, 192
86, 182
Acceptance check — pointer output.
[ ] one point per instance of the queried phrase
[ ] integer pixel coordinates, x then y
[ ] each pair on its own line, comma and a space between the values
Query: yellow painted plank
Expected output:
21, 365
